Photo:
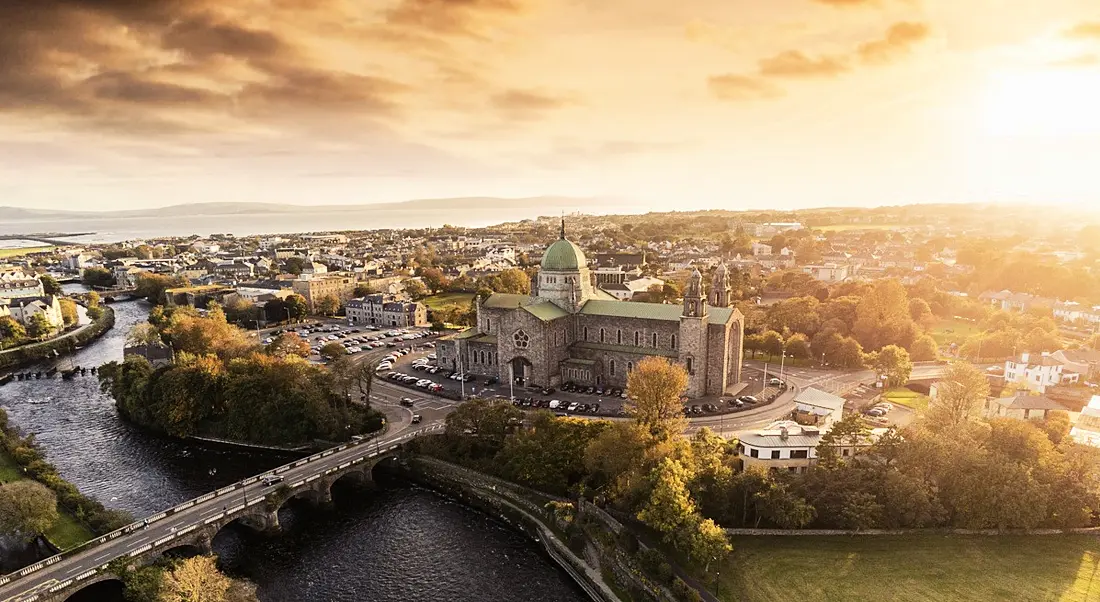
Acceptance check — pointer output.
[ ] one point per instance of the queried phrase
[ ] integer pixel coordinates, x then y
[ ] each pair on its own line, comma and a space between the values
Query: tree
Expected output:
143, 585
100, 277
332, 351
143, 334
779, 504
670, 505
11, 332
848, 432
843, 352
38, 326
352, 376
893, 363
288, 343
297, 306
960, 395
1038, 340
653, 389
798, 314
490, 420
415, 289
706, 542
920, 312
69, 315
328, 305
754, 343
882, 316
515, 281
50, 285
152, 286
195, 579
363, 289
295, 265
797, 346
771, 343
27, 508
433, 278
924, 349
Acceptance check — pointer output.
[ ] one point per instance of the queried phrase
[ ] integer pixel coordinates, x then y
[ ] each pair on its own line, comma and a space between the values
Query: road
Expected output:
163, 526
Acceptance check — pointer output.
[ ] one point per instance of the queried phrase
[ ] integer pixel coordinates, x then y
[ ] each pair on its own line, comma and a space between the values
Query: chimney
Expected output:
1024, 357
783, 433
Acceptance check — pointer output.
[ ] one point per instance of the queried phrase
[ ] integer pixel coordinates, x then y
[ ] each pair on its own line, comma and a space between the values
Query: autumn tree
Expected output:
328, 305
69, 315
27, 508
50, 285
11, 332
39, 327
433, 278
100, 277
195, 579
771, 343
415, 289
960, 396
333, 351
924, 349
670, 505
797, 346
653, 389
288, 343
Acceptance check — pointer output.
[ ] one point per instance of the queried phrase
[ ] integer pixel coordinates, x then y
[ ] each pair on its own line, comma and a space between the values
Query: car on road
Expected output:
406, 401
737, 403
270, 480
416, 419
747, 399
696, 410
774, 381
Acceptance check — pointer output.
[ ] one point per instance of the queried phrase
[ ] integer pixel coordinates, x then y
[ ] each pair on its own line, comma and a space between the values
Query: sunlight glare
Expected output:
1057, 103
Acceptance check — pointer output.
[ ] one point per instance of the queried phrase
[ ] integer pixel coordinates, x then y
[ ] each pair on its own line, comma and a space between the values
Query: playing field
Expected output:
913, 568
16, 252
953, 331
445, 299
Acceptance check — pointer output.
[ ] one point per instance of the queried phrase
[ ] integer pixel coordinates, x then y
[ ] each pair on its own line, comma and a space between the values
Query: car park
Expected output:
572, 406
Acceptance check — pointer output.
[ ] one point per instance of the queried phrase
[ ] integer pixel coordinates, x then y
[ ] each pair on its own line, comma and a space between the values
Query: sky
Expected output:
122, 104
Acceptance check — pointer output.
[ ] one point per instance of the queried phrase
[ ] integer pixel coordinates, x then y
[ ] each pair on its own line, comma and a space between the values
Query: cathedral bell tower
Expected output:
692, 346
720, 287
695, 302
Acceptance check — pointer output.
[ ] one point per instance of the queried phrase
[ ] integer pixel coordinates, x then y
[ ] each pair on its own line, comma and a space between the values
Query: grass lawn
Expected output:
913, 568
953, 331
21, 251
848, 227
444, 299
907, 398
66, 532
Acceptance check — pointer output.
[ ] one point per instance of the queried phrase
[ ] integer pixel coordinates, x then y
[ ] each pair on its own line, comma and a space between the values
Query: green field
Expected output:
849, 227
445, 299
4, 253
66, 532
913, 568
907, 398
953, 331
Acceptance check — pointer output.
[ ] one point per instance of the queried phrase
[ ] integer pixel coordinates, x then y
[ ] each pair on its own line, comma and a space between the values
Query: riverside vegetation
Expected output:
222, 384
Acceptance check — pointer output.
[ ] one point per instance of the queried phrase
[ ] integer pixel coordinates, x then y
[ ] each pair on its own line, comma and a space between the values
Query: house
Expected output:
759, 248
1079, 361
1023, 406
1086, 427
76, 261
1010, 301
14, 282
23, 309
1037, 373
1069, 311
816, 407
827, 272
783, 445
157, 354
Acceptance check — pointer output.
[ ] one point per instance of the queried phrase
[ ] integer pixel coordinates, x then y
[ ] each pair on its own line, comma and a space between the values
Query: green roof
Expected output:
486, 338
649, 311
546, 311
509, 301
626, 349
563, 256
469, 333
472, 335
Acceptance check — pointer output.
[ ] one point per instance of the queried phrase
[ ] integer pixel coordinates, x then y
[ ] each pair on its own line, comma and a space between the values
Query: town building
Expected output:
817, 408
23, 309
784, 445
828, 272
1022, 406
568, 330
386, 310
1037, 373
1086, 427
14, 282
317, 287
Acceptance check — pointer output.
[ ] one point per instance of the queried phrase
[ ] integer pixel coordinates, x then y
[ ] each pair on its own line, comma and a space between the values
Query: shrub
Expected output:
685, 592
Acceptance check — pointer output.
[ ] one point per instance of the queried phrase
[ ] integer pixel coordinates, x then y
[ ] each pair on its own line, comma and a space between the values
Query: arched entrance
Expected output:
521, 369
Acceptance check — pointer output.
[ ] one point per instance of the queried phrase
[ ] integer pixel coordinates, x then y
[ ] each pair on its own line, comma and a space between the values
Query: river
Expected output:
394, 543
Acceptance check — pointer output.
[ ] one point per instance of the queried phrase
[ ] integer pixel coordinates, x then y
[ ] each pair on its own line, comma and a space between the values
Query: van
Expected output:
554, 403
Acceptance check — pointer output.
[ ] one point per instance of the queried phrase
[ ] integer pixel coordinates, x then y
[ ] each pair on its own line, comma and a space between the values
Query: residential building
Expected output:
784, 445
288, 252
1023, 406
818, 408
23, 309
76, 261
1085, 362
386, 310
1037, 373
828, 272
1010, 301
14, 282
1086, 427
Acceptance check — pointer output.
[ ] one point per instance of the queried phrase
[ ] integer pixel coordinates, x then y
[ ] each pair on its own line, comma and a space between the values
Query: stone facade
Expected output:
570, 331
386, 310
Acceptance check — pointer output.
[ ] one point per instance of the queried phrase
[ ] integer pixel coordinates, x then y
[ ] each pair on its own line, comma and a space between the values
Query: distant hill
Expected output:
547, 205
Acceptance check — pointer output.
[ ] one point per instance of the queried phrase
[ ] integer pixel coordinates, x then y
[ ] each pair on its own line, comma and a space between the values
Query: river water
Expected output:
393, 543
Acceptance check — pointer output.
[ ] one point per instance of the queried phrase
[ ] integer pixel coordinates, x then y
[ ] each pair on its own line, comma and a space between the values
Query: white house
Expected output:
14, 282
23, 309
828, 272
1037, 373
1086, 428
784, 445
818, 407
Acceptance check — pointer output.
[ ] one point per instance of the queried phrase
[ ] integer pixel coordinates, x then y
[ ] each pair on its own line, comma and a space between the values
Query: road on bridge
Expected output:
58, 573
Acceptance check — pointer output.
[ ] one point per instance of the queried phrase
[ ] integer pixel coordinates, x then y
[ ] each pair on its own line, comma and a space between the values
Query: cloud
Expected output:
897, 44
795, 64
1084, 60
734, 87
1084, 30
450, 17
523, 104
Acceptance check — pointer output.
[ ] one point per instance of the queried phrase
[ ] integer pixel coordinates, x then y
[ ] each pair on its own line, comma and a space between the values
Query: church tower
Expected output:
692, 347
720, 287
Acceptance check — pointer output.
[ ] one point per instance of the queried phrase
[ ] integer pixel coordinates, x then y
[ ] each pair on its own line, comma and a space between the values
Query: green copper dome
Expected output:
563, 256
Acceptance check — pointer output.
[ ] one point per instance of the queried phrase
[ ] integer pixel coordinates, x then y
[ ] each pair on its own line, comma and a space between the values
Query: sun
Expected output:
1058, 103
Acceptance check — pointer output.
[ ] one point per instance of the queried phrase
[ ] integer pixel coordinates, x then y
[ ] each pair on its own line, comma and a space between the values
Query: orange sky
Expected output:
120, 104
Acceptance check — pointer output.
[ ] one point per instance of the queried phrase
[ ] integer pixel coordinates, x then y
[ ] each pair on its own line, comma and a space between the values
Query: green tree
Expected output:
363, 289
924, 349
353, 377
844, 352
490, 420
653, 390
706, 542
50, 285
11, 332
670, 505
100, 277
38, 327
143, 585
288, 343
333, 351
780, 505
754, 343
893, 362
847, 433
328, 305
771, 343
295, 265
1039, 340
415, 289
27, 509
544, 456
297, 306
433, 278
515, 281
152, 286
797, 346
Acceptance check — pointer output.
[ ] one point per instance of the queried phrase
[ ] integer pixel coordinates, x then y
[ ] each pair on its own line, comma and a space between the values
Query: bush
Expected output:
685, 592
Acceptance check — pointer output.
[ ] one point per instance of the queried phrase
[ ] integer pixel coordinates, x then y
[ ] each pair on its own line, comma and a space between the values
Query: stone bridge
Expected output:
192, 525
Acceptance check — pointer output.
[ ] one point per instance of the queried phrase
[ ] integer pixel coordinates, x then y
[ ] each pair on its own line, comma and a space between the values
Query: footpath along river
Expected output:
395, 543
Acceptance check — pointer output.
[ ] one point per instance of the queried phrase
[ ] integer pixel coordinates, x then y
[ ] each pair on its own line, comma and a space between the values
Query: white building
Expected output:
821, 408
14, 282
23, 309
828, 272
1037, 373
386, 310
1086, 428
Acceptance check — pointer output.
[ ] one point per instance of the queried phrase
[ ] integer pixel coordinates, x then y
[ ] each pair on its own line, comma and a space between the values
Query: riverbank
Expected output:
67, 532
62, 345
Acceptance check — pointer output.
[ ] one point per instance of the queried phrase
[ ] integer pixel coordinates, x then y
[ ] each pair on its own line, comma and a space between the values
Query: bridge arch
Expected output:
101, 587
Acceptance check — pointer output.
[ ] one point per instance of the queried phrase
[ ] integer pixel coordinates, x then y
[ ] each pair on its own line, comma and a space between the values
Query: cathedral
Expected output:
568, 330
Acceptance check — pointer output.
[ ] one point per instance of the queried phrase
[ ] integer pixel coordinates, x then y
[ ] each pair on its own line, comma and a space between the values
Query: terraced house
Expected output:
568, 330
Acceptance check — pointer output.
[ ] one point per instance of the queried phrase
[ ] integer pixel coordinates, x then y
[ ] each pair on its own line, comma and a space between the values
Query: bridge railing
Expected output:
136, 525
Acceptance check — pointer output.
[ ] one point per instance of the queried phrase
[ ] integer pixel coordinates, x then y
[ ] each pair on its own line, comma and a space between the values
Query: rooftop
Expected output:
649, 311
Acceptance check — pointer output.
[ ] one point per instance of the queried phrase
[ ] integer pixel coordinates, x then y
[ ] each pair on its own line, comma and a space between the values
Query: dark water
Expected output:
392, 543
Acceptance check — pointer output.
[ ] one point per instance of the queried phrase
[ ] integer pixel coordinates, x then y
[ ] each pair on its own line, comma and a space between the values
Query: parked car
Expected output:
554, 403
748, 399
572, 406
